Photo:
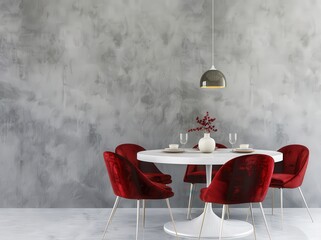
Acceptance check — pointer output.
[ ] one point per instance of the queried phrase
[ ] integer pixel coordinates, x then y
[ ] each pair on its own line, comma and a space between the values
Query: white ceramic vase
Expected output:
206, 144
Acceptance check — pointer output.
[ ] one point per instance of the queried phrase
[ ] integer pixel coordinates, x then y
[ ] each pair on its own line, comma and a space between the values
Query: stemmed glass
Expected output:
232, 138
183, 138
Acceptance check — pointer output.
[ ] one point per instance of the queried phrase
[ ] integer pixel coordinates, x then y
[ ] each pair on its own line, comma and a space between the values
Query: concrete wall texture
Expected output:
79, 77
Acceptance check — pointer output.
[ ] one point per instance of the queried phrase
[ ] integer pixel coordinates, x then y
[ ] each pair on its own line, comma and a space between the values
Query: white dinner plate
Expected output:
170, 150
243, 150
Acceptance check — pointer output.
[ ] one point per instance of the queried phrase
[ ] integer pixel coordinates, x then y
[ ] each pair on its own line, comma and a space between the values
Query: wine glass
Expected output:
183, 138
232, 138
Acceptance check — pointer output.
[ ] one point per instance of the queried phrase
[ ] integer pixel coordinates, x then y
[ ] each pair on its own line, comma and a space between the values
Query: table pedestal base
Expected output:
211, 227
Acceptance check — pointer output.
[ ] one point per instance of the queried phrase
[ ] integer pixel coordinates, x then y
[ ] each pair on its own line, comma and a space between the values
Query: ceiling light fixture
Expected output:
213, 78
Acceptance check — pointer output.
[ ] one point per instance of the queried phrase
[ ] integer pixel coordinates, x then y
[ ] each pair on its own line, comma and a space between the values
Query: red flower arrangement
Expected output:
206, 124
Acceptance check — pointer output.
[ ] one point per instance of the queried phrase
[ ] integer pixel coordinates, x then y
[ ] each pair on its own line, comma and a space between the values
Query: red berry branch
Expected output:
206, 124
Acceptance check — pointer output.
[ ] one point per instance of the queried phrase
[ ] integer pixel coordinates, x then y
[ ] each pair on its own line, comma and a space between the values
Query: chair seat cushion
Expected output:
158, 191
163, 186
280, 179
197, 177
159, 177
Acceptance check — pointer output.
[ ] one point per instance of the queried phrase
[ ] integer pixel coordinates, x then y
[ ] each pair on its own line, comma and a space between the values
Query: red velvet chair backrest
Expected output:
295, 161
242, 180
197, 168
124, 176
129, 182
129, 151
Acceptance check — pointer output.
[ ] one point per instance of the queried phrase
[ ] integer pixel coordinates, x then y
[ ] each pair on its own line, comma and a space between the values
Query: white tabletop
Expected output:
193, 156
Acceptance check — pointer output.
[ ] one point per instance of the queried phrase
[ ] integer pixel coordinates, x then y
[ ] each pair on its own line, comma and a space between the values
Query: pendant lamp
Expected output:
213, 78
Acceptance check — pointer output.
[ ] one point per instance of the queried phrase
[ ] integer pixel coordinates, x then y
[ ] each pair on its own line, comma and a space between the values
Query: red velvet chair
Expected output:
129, 151
129, 182
290, 172
197, 174
244, 179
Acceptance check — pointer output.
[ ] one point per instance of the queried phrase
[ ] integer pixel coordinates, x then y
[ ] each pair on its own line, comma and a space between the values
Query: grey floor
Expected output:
88, 224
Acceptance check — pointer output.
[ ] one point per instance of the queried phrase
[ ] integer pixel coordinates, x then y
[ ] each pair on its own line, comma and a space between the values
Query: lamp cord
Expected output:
212, 33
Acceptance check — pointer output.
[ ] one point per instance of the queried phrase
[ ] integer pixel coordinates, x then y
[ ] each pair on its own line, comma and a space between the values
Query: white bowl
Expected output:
244, 146
173, 146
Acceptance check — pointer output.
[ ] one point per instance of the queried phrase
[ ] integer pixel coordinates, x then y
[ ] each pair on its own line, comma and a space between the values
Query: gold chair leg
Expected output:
305, 203
144, 211
171, 214
137, 218
189, 209
281, 198
252, 216
248, 213
222, 220
111, 216
272, 201
228, 211
204, 213
266, 225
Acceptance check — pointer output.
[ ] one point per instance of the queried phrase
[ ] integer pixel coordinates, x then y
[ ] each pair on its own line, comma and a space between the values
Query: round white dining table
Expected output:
191, 228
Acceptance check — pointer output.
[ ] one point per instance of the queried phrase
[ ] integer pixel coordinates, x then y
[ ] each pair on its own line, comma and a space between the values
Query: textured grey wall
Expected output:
80, 77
